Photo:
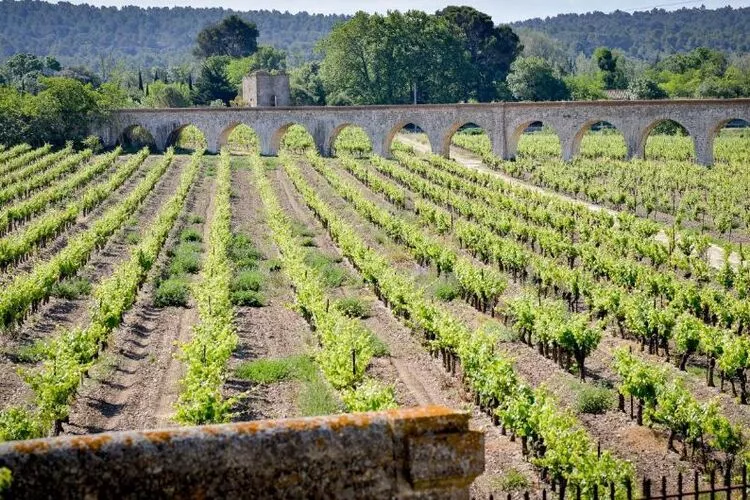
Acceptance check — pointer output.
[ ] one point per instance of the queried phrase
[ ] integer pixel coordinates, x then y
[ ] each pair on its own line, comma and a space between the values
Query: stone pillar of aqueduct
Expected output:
503, 122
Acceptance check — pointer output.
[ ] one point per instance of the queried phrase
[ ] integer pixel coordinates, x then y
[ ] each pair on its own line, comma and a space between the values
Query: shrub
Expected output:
247, 280
353, 307
512, 480
248, 298
172, 292
594, 399
71, 288
447, 290
190, 234
243, 253
186, 259
274, 265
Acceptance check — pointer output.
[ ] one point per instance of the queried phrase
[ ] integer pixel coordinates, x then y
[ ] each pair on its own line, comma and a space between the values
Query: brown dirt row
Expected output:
67, 313
414, 364
138, 382
651, 459
270, 332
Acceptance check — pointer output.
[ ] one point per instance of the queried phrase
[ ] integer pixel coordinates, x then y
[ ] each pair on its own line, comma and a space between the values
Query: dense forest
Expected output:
87, 35
148, 37
649, 35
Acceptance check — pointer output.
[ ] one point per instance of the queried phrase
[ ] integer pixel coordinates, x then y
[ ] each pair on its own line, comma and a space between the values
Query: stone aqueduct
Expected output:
503, 122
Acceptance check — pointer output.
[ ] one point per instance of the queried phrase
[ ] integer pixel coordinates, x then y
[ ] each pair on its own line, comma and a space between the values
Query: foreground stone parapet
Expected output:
424, 452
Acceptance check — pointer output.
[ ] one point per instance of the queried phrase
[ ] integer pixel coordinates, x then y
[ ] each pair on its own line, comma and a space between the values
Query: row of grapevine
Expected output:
20, 157
68, 356
27, 185
635, 313
552, 439
481, 286
595, 255
551, 328
28, 290
346, 346
214, 337
7, 154
22, 211
18, 246
712, 198
36, 167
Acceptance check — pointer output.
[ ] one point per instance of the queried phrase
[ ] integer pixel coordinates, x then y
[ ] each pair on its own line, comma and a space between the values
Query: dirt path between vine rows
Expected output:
421, 377
60, 313
471, 160
136, 383
270, 332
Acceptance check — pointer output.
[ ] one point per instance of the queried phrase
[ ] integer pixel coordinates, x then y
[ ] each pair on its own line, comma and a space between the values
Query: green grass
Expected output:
315, 396
511, 480
593, 399
447, 290
331, 273
191, 234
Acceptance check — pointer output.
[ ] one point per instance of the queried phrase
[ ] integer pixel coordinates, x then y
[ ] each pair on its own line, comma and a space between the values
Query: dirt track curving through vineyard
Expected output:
471, 160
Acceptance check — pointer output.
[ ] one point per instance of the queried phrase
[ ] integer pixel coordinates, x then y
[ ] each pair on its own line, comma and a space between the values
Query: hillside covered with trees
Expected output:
648, 35
154, 36
148, 37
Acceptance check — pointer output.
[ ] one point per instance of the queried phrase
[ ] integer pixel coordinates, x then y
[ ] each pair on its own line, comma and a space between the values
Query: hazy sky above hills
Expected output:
500, 10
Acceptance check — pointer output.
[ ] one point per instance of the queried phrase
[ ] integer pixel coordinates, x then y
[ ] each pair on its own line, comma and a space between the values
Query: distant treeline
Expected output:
162, 37
140, 37
651, 34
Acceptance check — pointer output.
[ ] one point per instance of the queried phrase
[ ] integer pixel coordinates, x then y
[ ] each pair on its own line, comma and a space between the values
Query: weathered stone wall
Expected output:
503, 122
413, 453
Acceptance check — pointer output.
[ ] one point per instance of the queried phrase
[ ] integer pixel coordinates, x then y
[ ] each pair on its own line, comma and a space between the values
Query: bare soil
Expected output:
67, 313
138, 385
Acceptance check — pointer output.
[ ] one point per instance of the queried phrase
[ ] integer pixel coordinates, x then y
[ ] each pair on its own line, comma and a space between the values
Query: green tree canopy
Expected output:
266, 58
375, 59
534, 79
492, 49
233, 37
213, 83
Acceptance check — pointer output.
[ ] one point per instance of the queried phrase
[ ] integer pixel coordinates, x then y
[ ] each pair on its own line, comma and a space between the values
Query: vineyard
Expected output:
593, 316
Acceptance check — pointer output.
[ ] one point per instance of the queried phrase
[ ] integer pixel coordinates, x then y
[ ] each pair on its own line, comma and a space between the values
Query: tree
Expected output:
534, 79
172, 95
24, 69
374, 59
609, 65
212, 83
492, 49
233, 37
645, 88
306, 86
266, 58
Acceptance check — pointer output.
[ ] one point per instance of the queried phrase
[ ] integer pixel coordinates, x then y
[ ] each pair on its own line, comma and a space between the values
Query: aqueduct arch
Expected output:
503, 122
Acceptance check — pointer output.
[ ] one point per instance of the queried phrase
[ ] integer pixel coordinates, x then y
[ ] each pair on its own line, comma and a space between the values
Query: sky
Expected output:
502, 11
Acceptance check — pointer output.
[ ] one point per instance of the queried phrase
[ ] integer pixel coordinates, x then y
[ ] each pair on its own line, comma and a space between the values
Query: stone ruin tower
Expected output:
263, 89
